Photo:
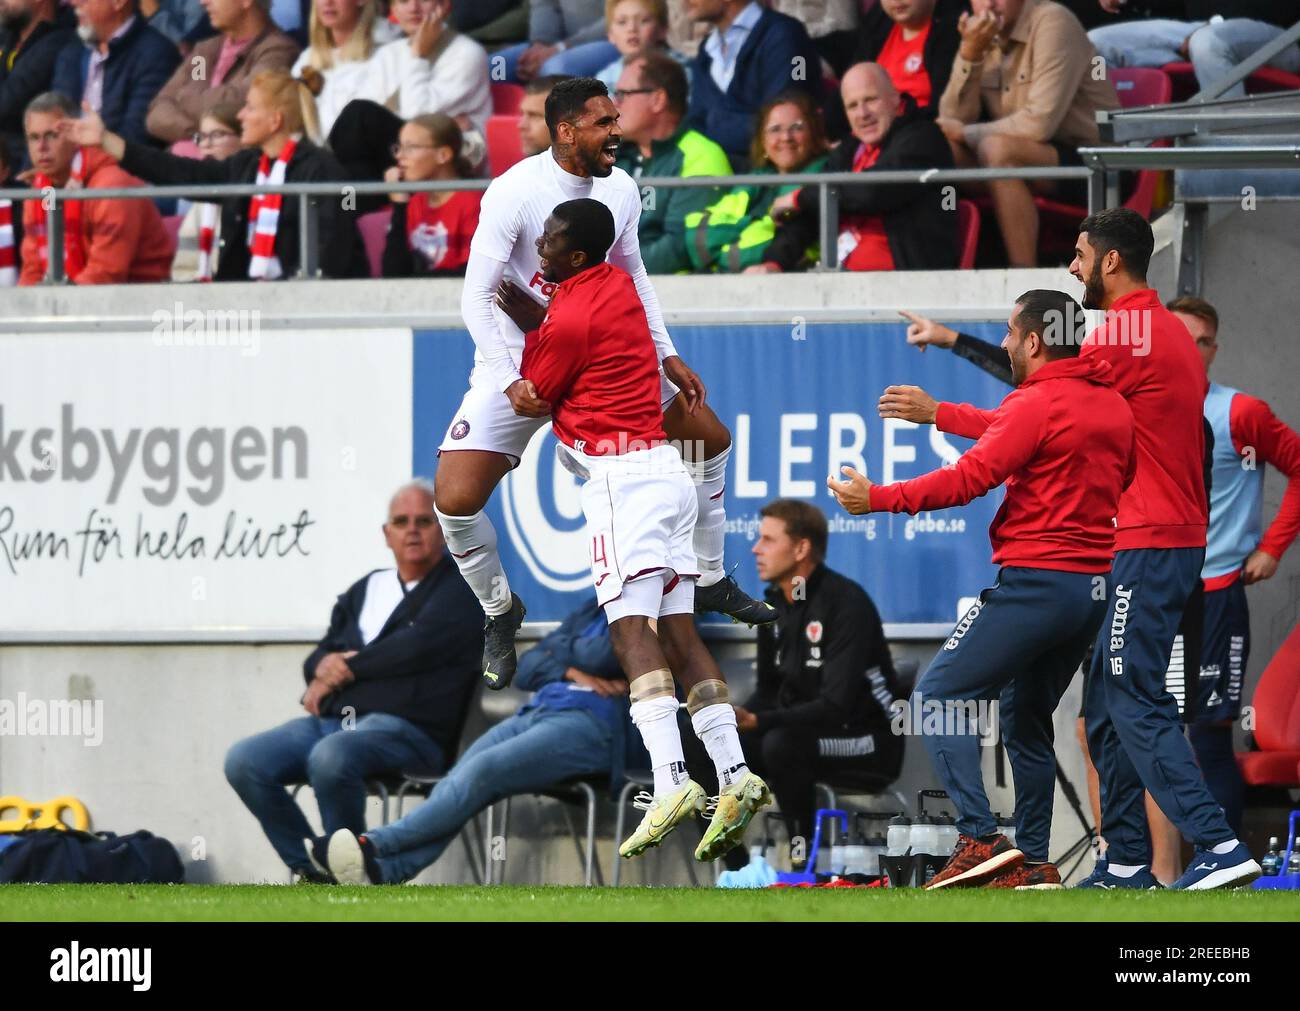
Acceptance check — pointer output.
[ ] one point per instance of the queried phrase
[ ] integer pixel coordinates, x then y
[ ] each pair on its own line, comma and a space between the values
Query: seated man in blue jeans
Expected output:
574, 725
387, 688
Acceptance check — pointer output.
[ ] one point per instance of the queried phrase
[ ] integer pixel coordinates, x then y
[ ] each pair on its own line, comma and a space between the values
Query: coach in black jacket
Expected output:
921, 229
387, 688
825, 676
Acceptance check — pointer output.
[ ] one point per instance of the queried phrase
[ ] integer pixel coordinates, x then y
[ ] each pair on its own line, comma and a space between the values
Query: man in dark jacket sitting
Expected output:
907, 227
576, 724
395, 670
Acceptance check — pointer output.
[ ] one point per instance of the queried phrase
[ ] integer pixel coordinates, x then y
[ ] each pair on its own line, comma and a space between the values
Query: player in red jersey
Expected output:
591, 356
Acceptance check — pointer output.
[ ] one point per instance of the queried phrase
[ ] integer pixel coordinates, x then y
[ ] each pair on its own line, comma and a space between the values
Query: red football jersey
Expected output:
594, 360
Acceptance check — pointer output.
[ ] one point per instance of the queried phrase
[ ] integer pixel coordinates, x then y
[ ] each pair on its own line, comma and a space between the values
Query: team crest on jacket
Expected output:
460, 429
813, 630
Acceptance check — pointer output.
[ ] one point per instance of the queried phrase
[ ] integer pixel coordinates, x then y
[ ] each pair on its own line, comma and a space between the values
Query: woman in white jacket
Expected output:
342, 37
432, 68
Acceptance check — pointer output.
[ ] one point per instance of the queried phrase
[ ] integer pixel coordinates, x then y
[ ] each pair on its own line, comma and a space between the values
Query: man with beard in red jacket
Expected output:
1063, 444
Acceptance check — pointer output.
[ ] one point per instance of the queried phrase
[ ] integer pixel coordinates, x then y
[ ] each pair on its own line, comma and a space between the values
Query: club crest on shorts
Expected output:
813, 630
460, 429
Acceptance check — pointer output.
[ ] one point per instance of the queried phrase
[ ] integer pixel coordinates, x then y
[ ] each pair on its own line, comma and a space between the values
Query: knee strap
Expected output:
707, 693
655, 684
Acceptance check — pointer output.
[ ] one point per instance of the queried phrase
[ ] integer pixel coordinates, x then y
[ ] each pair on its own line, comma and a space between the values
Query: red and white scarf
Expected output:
264, 216
209, 215
8, 255
74, 242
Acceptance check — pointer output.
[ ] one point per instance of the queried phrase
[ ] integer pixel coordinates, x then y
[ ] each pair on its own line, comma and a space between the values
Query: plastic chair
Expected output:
507, 98
503, 142
1276, 760
581, 792
374, 234
1139, 86
968, 235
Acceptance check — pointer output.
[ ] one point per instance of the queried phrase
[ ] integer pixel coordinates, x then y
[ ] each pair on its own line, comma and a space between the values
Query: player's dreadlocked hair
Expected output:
568, 98
588, 225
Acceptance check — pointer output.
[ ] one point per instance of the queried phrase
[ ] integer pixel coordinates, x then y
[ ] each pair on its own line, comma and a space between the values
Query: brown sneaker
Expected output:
1027, 877
974, 862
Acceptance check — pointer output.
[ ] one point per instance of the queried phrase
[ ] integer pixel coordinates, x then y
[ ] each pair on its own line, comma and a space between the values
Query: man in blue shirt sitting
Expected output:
574, 725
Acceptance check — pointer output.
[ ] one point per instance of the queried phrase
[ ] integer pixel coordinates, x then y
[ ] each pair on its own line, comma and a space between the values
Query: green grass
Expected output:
525, 903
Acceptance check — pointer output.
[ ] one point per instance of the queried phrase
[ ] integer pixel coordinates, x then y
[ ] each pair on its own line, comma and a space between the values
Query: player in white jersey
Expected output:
501, 411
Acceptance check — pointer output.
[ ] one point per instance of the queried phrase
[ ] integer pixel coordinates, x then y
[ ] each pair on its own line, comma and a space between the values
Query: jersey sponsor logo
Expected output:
912, 64
539, 283
813, 630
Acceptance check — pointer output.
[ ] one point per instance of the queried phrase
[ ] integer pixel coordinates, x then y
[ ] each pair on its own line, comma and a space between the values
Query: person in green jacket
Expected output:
651, 99
731, 234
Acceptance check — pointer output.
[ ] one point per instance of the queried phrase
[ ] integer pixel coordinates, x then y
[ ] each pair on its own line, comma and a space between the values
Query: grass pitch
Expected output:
528, 903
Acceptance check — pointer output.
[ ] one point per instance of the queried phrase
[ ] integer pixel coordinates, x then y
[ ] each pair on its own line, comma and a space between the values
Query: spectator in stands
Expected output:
259, 236
576, 724
751, 54
431, 68
881, 227
534, 137
11, 226
822, 17
733, 233
219, 69
104, 241
564, 37
342, 36
914, 40
396, 670
429, 233
1239, 551
181, 21
825, 676
198, 241
1024, 91
117, 66
1239, 28
34, 33
635, 26
651, 97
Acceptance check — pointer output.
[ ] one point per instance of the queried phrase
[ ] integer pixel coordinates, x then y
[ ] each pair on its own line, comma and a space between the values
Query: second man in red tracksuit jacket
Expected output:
1063, 445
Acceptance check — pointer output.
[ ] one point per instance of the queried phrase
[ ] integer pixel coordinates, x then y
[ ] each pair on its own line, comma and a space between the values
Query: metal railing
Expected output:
1101, 165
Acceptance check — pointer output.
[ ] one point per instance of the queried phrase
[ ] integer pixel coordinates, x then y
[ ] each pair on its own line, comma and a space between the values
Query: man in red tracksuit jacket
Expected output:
1063, 444
1134, 731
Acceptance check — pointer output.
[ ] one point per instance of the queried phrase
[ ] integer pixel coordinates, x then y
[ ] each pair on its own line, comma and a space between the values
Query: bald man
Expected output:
908, 227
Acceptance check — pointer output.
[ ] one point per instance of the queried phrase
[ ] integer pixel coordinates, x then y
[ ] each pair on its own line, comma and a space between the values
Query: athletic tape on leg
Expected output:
707, 693
655, 684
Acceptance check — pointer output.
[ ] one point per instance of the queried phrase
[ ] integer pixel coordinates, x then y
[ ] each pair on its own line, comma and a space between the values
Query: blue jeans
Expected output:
335, 762
527, 752
1022, 643
585, 60
1213, 49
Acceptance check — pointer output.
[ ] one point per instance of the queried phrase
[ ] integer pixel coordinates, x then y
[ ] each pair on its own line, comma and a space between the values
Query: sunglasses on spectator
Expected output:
397, 150
200, 139
621, 93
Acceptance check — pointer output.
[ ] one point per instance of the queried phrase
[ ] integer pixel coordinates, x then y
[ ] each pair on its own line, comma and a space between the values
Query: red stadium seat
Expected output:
1277, 721
506, 98
503, 142
374, 233
172, 223
1262, 80
968, 232
1138, 86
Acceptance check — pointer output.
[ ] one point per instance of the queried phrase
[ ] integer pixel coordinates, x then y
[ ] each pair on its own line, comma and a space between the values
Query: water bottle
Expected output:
1271, 865
876, 848
899, 836
856, 855
947, 832
1293, 865
924, 837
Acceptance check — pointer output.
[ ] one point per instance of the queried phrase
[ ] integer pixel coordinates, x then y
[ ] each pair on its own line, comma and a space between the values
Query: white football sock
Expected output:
710, 478
1225, 847
656, 720
472, 541
1125, 870
715, 726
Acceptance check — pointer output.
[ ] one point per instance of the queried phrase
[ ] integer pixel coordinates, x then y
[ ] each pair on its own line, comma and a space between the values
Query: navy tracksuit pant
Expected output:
1134, 731
1022, 643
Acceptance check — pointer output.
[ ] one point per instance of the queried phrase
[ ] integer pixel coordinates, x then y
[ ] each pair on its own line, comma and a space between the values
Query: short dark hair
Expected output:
1124, 231
543, 85
589, 226
1190, 305
662, 73
569, 98
1056, 318
803, 522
